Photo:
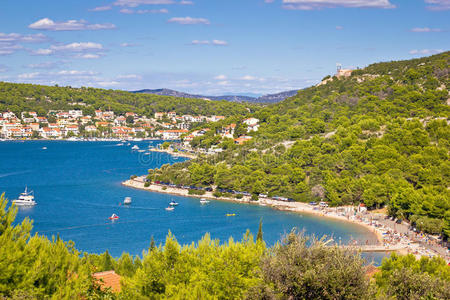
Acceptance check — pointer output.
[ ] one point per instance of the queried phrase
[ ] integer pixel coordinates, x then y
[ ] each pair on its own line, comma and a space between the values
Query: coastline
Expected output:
296, 207
387, 237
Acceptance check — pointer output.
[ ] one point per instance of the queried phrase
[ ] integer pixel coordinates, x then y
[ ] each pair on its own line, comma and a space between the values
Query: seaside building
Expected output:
108, 279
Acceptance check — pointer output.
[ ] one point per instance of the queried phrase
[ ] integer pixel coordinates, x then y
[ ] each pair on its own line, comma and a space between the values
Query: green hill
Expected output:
380, 137
29, 97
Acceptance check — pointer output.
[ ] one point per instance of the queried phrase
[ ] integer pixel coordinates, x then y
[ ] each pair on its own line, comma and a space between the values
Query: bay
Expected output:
77, 186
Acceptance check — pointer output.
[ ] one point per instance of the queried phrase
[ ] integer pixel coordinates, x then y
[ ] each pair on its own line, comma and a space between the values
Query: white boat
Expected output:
119, 144
138, 139
25, 199
127, 200
173, 203
141, 151
44, 148
170, 208
204, 201
135, 147
128, 144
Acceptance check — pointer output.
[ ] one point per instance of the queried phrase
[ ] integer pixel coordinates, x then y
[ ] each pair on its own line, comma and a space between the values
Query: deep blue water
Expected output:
77, 187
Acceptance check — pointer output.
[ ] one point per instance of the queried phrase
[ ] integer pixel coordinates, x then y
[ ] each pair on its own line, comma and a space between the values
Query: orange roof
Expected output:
108, 279
175, 130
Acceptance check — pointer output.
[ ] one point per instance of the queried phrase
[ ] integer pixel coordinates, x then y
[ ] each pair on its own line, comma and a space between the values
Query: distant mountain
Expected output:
272, 98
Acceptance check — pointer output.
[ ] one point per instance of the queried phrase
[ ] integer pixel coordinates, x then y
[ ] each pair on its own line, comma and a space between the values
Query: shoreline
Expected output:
296, 207
387, 238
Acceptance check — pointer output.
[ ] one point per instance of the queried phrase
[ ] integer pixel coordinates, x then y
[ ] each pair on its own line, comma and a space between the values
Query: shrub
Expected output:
196, 192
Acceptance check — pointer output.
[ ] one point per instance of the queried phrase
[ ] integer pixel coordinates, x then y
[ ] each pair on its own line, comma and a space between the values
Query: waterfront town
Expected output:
73, 124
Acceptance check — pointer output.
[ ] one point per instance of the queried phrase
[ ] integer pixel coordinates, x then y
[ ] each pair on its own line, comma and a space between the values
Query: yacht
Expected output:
173, 203
127, 200
135, 147
204, 201
25, 199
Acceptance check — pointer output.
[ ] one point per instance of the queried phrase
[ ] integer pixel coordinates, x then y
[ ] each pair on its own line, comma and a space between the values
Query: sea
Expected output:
77, 187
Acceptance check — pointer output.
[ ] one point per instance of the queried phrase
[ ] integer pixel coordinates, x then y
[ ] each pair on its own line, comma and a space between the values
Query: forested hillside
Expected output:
380, 137
29, 97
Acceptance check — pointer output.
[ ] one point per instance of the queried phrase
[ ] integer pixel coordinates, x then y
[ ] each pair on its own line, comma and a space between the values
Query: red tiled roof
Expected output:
108, 279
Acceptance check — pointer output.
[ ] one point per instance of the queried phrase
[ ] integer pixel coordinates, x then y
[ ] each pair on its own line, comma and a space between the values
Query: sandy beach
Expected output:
299, 207
388, 240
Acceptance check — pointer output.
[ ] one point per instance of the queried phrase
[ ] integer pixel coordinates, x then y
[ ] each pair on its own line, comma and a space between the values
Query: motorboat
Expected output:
114, 217
25, 199
204, 201
119, 144
135, 147
141, 151
230, 215
127, 200
170, 208
44, 148
173, 203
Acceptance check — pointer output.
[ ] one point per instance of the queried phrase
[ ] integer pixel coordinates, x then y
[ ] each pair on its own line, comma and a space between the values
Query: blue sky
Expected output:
211, 46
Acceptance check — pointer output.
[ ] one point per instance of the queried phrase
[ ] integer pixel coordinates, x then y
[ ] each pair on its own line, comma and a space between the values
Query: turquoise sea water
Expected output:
77, 187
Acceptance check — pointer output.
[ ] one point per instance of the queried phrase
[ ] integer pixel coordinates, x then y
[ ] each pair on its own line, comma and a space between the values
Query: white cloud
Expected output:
189, 21
198, 42
219, 43
186, 2
44, 65
107, 83
7, 48
77, 47
220, 77
75, 73
128, 45
438, 4
320, 4
130, 76
134, 3
339, 27
3, 68
101, 8
213, 42
425, 51
88, 56
224, 82
29, 75
20, 38
42, 52
248, 77
426, 29
70, 25
87, 50
144, 11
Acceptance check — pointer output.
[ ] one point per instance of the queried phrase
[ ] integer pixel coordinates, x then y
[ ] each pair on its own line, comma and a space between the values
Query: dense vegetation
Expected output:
32, 267
29, 97
380, 137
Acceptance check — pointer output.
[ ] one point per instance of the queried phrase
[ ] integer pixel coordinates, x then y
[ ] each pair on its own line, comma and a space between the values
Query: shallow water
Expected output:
77, 187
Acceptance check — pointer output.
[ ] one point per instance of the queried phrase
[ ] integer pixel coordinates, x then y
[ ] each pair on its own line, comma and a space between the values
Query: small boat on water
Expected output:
25, 199
173, 203
204, 201
230, 215
119, 144
141, 151
127, 200
170, 208
44, 148
135, 147
114, 217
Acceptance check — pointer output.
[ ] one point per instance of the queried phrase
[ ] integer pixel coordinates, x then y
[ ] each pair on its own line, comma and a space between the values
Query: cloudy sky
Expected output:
211, 46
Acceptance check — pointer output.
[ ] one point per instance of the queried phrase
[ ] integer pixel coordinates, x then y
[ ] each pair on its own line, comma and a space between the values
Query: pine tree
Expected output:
259, 236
